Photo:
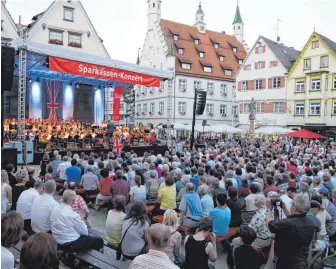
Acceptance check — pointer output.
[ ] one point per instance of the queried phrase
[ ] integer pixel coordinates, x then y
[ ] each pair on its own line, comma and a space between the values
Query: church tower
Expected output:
154, 13
200, 24
238, 25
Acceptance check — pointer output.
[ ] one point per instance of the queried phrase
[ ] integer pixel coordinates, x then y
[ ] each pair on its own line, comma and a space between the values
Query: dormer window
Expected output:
240, 61
234, 49
68, 14
201, 54
207, 69
180, 51
216, 45
228, 72
196, 41
186, 66
175, 37
221, 58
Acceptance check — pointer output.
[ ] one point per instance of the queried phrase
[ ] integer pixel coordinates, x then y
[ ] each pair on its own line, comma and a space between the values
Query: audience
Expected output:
90, 182
6, 193
167, 195
73, 173
221, 216
138, 192
19, 187
206, 199
104, 187
235, 206
120, 186
79, 205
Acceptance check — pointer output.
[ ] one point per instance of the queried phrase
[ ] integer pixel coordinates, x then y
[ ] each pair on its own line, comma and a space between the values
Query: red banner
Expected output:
116, 103
101, 72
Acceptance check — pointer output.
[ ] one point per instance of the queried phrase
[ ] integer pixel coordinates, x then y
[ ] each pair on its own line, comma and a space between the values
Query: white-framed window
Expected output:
234, 49
246, 108
223, 89
259, 65
196, 41
201, 54
144, 109
260, 49
216, 45
240, 61
151, 89
152, 108
186, 66
276, 82
223, 110
180, 51
233, 90
175, 37
334, 108
316, 84
210, 88
244, 85
75, 38
221, 58
258, 84
227, 72
207, 69
248, 67
182, 108
162, 84
307, 63
161, 107
334, 83
122, 106
68, 14
56, 36
278, 107
139, 108
111, 106
315, 108
144, 90
235, 111
299, 109
315, 44
182, 85
210, 109
197, 84
273, 64
300, 86
325, 61
260, 107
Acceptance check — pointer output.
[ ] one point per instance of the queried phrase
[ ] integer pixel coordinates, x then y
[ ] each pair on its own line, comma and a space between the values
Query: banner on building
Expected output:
101, 72
116, 103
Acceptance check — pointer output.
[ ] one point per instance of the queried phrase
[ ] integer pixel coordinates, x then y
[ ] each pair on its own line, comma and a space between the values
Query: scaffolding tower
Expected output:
170, 107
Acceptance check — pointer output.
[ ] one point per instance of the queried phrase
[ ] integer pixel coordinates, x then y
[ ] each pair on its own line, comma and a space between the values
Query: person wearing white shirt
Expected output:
68, 229
62, 167
42, 208
25, 203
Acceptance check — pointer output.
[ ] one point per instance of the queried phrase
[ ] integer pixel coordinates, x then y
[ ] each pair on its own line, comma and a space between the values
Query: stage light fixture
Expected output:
30, 80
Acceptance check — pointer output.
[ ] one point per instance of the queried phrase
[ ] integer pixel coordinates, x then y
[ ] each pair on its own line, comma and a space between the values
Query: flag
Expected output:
117, 145
53, 88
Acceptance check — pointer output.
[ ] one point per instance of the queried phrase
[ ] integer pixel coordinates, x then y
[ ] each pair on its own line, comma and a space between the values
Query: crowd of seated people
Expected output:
255, 199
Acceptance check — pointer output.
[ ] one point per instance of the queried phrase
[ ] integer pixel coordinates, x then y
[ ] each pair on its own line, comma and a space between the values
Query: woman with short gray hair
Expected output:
206, 200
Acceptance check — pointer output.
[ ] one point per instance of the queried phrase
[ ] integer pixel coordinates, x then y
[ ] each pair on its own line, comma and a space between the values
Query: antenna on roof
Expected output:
277, 29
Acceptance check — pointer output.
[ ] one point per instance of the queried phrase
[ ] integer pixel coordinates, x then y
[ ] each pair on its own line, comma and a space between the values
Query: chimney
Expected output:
223, 32
20, 19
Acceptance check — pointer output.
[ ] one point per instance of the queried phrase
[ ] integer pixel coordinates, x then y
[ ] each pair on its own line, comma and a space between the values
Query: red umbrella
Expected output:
304, 134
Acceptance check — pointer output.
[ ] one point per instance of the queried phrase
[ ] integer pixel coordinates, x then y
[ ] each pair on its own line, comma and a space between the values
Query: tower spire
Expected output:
237, 18
138, 59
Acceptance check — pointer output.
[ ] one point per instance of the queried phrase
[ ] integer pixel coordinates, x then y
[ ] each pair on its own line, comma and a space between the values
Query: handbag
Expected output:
119, 251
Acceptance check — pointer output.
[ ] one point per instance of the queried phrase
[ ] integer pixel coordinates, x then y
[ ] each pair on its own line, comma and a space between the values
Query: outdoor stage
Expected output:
139, 150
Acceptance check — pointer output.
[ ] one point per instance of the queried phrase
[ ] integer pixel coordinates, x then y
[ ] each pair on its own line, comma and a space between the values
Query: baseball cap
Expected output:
323, 191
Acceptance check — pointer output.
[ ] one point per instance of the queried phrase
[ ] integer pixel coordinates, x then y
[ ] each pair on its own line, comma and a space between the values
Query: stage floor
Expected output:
139, 150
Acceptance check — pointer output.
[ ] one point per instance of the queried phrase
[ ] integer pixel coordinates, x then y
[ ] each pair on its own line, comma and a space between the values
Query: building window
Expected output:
144, 90
216, 45
227, 72
316, 84
260, 49
246, 108
186, 66
201, 54
121, 106
144, 107
260, 107
307, 63
276, 83
240, 61
235, 111
182, 108
224, 89
248, 67
300, 86
234, 49
233, 90
244, 85
2, 25
315, 44
152, 108
175, 37
258, 84
210, 88
259, 65
324, 61
315, 108
210, 109
222, 110
196, 41
162, 84
197, 85
75, 40
207, 69
55, 37
273, 64
334, 83
278, 107
334, 108
161, 107
68, 14
139, 108
180, 51
299, 109
182, 85
221, 58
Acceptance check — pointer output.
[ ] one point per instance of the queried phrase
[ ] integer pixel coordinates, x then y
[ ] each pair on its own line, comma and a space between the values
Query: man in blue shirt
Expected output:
194, 178
221, 216
73, 173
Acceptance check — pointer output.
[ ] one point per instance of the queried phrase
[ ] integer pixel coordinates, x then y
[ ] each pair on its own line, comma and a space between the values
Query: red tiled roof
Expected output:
187, 34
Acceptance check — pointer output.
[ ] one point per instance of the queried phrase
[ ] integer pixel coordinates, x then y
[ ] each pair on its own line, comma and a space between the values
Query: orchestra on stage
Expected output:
72, 134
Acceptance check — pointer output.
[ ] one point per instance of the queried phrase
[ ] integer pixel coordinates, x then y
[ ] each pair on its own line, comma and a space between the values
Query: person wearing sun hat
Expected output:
331, 209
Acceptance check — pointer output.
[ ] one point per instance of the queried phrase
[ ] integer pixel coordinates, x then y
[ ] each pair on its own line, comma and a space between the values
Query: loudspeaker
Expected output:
201, 100
204, 122
7, 67
9, 155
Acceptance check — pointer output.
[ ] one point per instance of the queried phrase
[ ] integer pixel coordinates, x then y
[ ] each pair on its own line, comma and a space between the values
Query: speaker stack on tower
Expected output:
7, 67
201, 101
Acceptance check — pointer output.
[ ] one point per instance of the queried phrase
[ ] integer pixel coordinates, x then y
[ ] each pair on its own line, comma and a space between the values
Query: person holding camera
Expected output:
293, 235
